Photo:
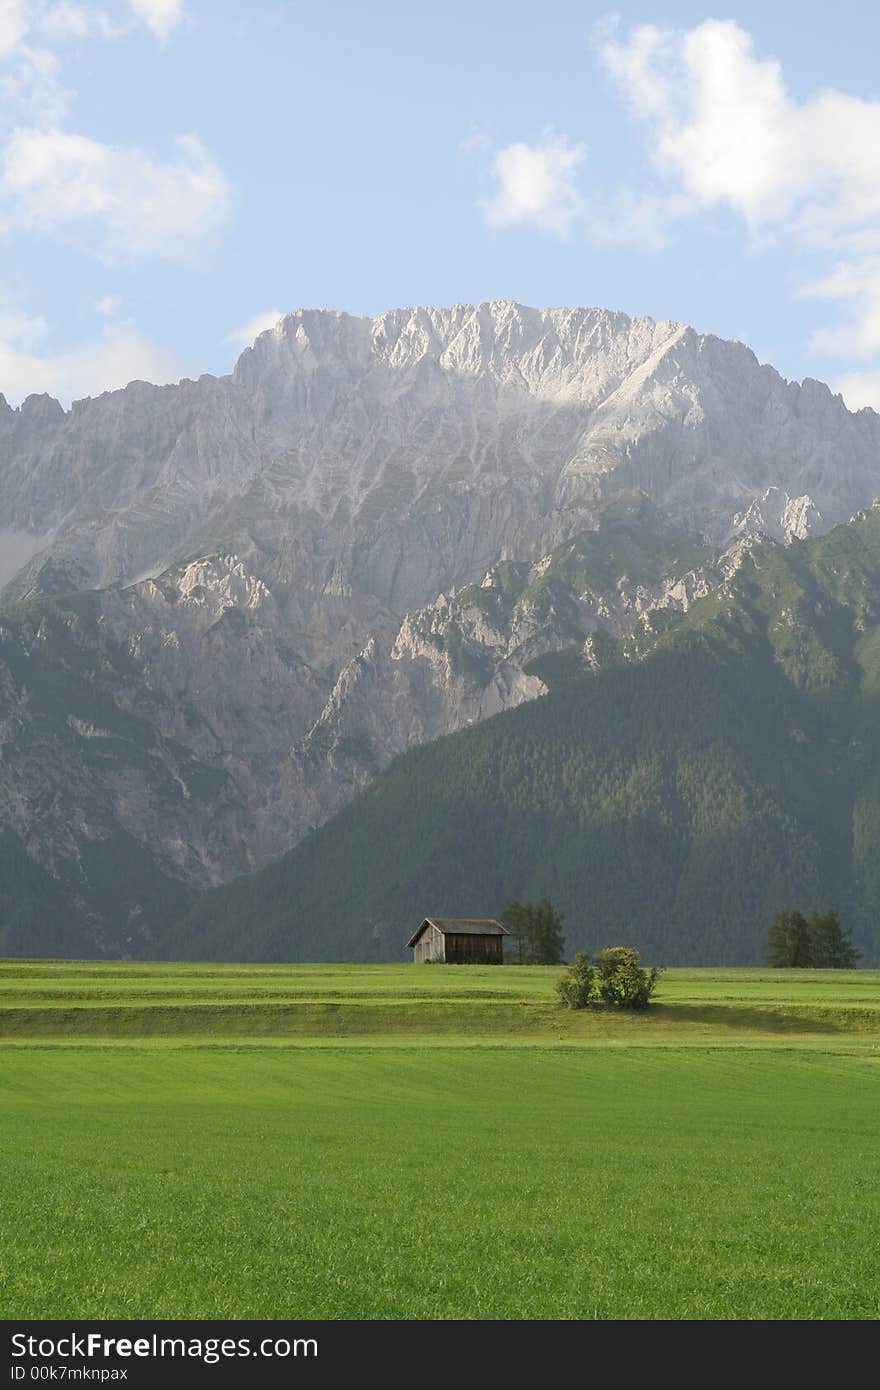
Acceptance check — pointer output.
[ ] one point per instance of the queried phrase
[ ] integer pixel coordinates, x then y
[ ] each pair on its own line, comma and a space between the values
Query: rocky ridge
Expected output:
401, 455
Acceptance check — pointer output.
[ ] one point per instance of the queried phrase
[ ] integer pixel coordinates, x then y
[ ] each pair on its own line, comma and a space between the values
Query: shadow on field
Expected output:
732, 1018
525, 1018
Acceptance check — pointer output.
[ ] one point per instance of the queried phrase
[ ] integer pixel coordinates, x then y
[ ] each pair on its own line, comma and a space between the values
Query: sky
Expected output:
175, 174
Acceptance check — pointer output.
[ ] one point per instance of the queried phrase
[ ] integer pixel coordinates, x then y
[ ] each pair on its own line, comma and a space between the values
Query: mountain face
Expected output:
674, 793
401, 455
229, 603
191, 721
478, 651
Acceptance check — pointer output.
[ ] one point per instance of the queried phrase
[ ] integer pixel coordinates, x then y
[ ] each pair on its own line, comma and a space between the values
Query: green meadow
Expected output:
435, 1142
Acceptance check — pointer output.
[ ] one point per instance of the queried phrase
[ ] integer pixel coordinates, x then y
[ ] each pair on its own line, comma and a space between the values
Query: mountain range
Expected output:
227, 605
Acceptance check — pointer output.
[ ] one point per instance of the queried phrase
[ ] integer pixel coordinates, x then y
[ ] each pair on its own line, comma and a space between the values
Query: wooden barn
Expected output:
459, 941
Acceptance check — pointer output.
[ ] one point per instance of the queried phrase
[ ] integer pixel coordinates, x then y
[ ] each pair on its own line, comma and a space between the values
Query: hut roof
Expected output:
461, 926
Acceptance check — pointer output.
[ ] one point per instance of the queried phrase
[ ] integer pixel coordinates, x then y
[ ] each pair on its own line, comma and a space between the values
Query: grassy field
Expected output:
67, 999
391, 1142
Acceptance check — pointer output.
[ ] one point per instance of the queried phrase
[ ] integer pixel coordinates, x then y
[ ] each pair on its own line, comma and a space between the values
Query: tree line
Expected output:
795, 940
815, 941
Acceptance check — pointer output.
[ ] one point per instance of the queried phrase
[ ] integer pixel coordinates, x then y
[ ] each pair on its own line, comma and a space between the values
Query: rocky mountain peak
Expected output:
396, 456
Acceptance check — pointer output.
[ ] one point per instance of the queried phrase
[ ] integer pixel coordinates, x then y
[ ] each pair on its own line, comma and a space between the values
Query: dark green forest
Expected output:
723, 766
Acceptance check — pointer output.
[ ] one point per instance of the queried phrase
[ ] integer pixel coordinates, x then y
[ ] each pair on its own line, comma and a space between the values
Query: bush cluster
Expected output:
616, 976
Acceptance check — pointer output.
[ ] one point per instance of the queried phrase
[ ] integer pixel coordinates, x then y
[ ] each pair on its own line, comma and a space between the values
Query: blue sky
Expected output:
175, 172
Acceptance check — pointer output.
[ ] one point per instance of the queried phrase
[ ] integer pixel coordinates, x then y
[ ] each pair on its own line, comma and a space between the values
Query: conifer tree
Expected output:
789, 944
831, 946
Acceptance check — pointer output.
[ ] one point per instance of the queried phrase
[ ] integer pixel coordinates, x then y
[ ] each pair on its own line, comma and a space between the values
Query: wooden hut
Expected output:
459, 941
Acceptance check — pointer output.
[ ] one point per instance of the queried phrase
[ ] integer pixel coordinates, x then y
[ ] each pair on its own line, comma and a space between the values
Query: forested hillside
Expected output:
719, 765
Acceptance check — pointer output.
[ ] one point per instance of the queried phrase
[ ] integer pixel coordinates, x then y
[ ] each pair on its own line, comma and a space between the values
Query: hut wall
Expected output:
474, 950
429, 946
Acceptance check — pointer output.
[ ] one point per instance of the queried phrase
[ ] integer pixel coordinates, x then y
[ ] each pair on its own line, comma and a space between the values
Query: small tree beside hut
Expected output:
536, 929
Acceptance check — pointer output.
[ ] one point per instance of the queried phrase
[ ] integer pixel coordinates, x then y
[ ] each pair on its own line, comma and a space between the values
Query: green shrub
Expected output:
577, 988
622, 980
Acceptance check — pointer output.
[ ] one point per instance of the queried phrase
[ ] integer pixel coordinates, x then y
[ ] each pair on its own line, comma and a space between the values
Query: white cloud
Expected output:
17, 326
161, 16
723, 124
130, 205
67, 20
859, 389
30, 75
243, 337
121, 203
14, 24
62, 20
723, 130
31, 87
120, 355
856, 283
537, 183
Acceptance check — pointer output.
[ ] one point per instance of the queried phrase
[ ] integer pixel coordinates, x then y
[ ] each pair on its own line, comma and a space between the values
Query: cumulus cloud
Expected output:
32, 89
243, 337
722, 122
161, 16
20, 19
66, 19
723, 130
123, 203
14, 24
537, 183
128, 204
